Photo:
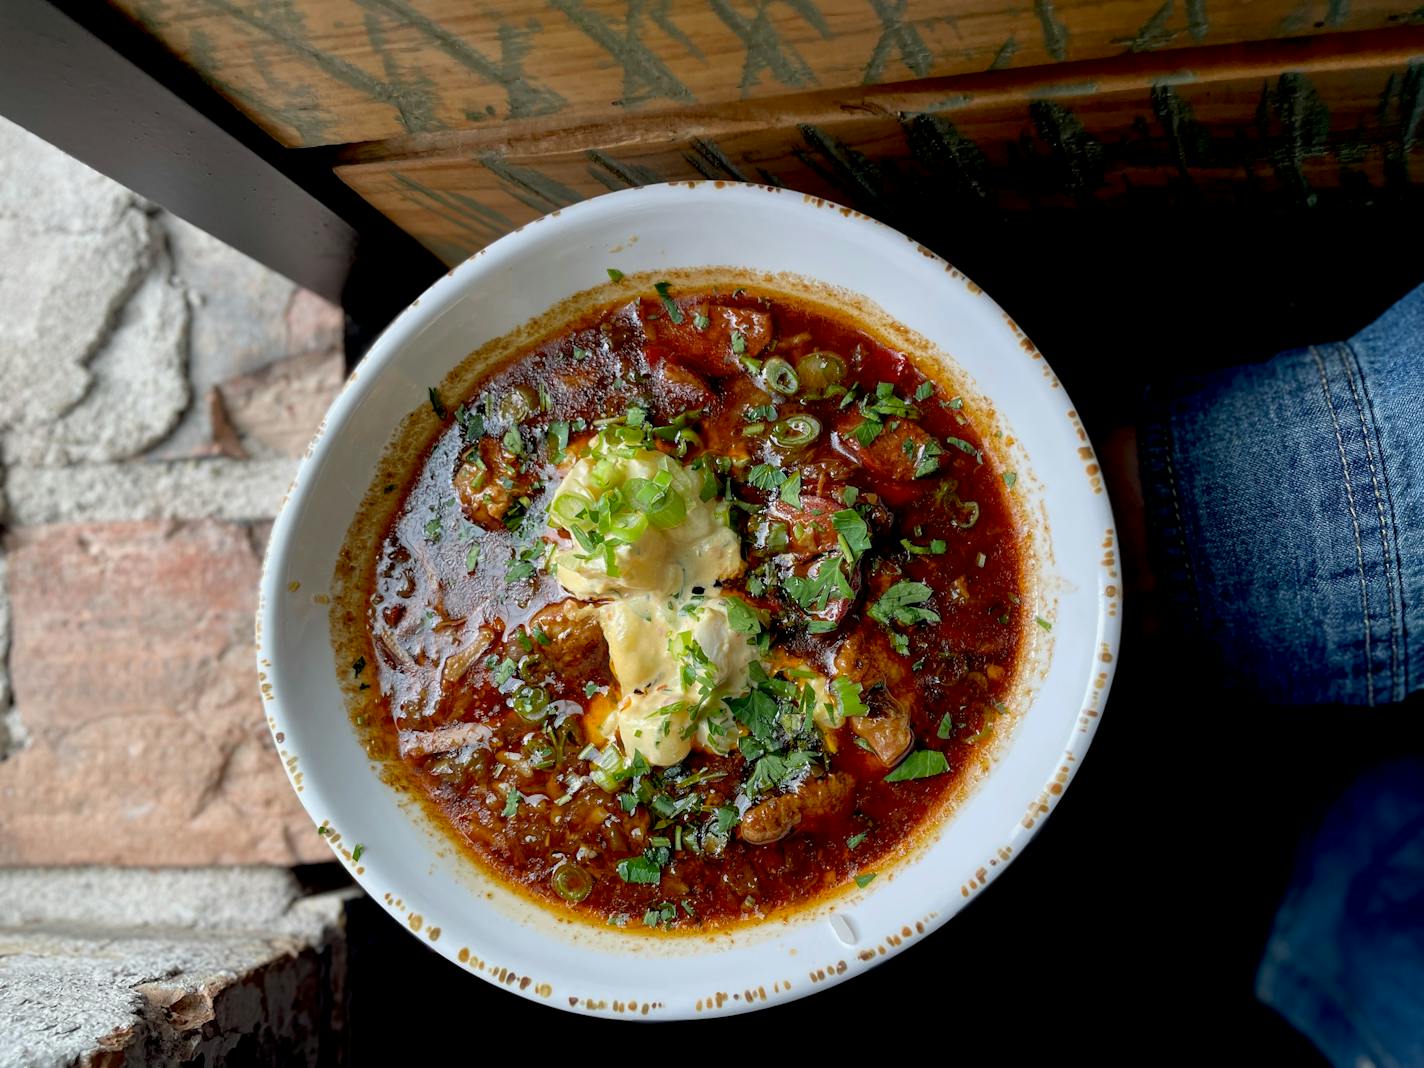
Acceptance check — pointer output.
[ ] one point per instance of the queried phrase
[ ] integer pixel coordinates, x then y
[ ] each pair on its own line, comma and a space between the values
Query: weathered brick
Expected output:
132, 670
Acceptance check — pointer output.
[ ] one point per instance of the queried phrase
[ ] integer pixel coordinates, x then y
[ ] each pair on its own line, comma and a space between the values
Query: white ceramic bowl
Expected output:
409, 866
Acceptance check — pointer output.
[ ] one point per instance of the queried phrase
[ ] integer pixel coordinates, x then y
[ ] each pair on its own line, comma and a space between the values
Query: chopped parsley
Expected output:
766, 477
826, 583
674, 312
866, 431
901, 604
966, 448
853, 534
791, 490
921, 764
741, 617
640, 870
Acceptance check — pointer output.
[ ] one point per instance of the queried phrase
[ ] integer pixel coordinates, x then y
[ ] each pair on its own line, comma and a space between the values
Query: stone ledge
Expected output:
212, 966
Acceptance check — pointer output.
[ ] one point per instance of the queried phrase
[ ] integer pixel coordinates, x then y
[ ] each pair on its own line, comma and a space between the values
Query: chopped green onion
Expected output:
780, 376
796, 431
571, 882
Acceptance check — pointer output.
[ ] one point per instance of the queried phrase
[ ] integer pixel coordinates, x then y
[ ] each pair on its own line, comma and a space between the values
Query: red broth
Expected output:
490, 681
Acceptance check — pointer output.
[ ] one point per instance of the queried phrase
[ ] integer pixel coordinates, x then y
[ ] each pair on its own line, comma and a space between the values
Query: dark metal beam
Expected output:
93, 85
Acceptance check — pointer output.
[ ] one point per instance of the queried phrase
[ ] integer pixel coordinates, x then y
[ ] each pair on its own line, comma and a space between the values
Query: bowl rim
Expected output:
428, 307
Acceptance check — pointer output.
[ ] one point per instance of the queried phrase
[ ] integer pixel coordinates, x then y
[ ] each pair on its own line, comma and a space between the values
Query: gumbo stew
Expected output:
695, 611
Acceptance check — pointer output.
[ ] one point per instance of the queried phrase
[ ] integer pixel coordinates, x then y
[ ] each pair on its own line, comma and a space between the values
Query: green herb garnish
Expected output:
921, 764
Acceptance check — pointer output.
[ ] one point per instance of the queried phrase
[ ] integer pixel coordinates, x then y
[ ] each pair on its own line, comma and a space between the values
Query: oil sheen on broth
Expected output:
697, 610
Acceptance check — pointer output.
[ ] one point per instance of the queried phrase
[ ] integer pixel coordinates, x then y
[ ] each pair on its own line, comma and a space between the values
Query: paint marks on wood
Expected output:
1055, 34
899, 35
765, 49
645, 76
529, 186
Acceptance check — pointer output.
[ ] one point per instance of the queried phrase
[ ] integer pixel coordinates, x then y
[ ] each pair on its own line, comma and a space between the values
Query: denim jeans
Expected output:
1287, 499
1285, 504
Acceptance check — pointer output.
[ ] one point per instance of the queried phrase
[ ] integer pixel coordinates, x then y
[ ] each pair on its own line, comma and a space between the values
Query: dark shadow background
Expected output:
1136, 920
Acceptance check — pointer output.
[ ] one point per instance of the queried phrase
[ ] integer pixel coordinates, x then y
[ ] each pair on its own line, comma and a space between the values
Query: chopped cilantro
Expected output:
358, 666
511, 802
356, 853
1010, 478
1043, 623
946, 726
921, 764
513, 443
865, 880
924, 391
700, 320
849, 494
614, 274
436, 405
739, 343
855, 839
590, 688
472, 557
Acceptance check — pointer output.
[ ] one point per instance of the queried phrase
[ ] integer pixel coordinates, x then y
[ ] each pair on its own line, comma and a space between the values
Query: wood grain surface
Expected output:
1335, 118
319, 72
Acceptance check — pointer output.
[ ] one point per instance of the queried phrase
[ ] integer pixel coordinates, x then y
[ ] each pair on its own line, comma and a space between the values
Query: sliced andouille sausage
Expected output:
490, 481
728, 334
810, 530
893, 456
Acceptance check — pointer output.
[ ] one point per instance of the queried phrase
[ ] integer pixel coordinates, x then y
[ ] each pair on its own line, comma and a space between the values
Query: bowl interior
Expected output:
410, 868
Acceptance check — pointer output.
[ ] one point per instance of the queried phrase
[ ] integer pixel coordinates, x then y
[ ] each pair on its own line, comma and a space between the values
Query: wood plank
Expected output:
321, 72
1240, 130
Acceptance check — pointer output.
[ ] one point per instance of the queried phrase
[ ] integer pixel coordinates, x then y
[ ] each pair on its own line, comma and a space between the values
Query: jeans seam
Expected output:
1393, 514
1355, 522
1181, 525
1390, 580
